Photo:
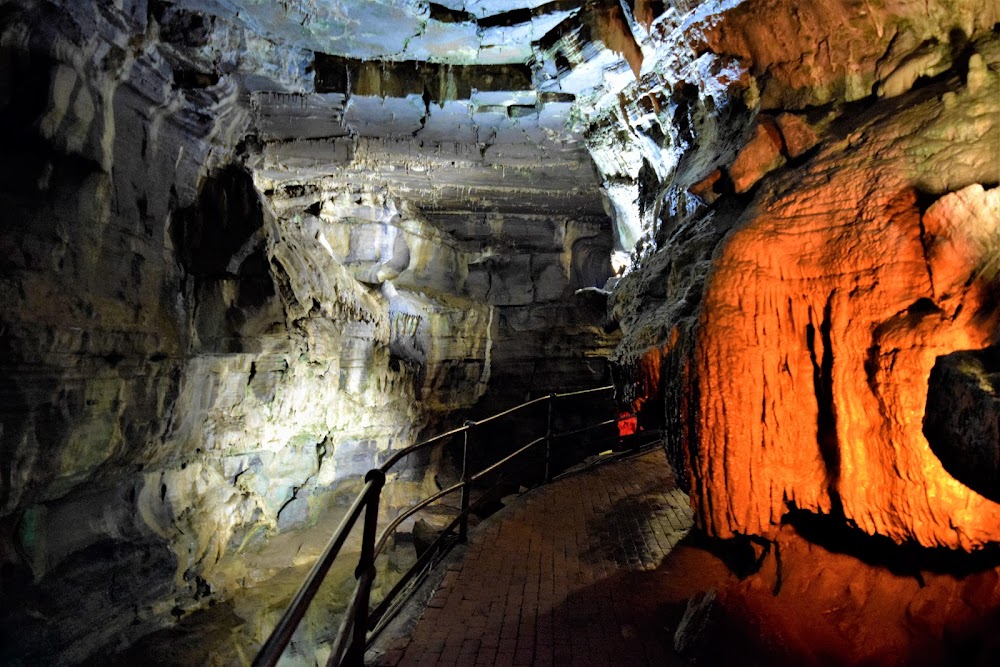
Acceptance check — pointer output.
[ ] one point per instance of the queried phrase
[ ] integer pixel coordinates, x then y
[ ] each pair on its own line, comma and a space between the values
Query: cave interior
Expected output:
251, 250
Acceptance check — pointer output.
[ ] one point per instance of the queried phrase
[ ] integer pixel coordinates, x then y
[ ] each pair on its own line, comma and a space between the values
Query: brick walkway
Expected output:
550, 580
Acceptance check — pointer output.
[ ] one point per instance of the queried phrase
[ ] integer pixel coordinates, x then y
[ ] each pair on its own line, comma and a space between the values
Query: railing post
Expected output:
548, 439
463, 523
365, 574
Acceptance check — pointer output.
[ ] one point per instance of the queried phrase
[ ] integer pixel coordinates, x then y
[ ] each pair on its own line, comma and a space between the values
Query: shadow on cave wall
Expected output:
962, 417
219, 241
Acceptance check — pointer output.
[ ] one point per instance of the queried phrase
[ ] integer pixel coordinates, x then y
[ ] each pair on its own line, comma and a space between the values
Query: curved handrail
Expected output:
271, 651
512, 410
358, 621
584, 429
406, 451
482, 473
570, 394
384, 537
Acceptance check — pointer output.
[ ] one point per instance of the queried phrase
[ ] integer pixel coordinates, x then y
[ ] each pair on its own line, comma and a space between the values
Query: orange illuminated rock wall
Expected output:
811, 52
824, 313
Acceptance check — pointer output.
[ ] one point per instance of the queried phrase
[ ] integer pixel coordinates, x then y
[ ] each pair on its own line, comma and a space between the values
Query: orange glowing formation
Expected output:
821, 324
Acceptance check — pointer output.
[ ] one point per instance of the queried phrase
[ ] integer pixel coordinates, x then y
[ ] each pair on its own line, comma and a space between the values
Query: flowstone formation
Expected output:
787, 310
800, 270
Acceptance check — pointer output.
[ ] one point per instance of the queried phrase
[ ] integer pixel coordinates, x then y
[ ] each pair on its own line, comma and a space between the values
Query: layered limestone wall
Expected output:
210, 333
104, 144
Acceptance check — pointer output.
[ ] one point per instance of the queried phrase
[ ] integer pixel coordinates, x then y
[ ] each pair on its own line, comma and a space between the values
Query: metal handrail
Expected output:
384, 537
282, 633
509, 457
376, 618
351, 640
581, 392
586, 428
513, 409
406, 451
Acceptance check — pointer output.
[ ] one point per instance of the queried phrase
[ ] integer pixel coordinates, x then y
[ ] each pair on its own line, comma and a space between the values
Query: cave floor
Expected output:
575, 572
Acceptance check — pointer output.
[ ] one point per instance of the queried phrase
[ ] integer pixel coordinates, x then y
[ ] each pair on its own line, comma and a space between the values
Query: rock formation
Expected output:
800, 271
238, 273
252, 248
791, 335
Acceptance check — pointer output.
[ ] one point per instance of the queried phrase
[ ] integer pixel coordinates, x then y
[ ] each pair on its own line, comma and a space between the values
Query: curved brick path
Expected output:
551, 579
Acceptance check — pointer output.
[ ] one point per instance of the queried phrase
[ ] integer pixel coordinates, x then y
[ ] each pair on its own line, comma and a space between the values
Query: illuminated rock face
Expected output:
230, 289
798, 378
839, 368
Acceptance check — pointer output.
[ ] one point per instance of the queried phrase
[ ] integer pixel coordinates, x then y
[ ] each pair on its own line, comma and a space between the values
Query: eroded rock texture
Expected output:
235, 278
840, 367
789, 335
800, 270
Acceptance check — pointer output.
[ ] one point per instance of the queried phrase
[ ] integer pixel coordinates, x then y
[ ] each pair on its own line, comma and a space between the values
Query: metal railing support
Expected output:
365, 573
271, 651
351, 641
463, 525
548, 439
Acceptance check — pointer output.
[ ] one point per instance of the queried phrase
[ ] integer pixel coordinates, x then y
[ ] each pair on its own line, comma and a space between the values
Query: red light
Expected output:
627, 424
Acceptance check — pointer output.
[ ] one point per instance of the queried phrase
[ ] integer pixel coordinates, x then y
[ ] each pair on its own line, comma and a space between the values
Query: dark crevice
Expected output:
210, 231
871, 367
445, 15
921, 308
550, 39
524, 15
545, 98
426, 97
191, 79
439, 82
925, 240
837, 535
826, 419
962, 417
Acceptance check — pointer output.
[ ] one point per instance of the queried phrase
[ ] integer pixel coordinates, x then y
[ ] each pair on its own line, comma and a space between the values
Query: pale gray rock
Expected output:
232, 286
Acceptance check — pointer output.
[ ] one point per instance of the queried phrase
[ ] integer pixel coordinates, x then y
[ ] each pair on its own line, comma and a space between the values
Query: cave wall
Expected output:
494, 199
796, 278
103, 145
210, 333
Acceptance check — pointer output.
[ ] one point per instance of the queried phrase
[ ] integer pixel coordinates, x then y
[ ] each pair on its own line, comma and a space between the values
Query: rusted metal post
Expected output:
463, 524
548, 439
365, 574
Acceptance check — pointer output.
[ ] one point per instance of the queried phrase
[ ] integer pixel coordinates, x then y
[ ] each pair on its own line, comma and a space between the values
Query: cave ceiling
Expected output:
455, 32
454, 107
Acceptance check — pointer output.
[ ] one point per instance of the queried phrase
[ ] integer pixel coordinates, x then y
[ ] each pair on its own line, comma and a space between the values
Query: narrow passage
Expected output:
564, 576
